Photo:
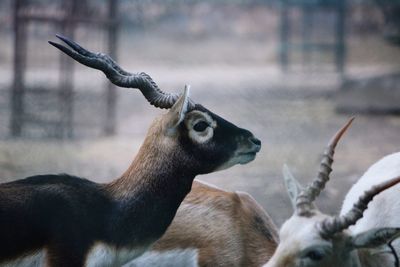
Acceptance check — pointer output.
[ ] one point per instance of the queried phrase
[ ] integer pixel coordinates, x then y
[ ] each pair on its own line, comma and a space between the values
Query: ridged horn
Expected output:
331, 226
142, 81
304, 206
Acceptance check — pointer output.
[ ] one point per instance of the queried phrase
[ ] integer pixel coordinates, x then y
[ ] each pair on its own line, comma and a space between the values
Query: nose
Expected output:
255, 141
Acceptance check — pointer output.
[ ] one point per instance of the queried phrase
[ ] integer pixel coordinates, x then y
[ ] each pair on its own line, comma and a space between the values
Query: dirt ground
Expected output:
293, 114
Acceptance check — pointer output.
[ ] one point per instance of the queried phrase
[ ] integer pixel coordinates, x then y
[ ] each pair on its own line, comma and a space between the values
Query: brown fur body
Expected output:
226, 228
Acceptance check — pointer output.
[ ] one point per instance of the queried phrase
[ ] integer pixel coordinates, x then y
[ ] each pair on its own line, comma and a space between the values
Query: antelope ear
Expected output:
375, 237
293, 187
178, 111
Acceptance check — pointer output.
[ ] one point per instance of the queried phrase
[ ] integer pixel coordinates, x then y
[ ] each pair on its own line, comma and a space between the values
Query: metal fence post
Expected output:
17, 89
111, 98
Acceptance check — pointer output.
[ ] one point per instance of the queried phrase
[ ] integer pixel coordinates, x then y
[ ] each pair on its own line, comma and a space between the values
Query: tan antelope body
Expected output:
224, 228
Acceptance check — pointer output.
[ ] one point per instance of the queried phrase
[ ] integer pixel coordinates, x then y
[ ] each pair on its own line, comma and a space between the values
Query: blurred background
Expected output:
291, 71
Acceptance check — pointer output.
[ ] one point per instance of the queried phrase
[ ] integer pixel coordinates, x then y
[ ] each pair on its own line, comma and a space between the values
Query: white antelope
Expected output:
214, 227
310, 238
77, 222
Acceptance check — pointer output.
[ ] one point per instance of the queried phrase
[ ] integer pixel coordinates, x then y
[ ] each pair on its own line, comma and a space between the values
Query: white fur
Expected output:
386, 204
103, 255
384, 210
237, 158
33, 260
171, 258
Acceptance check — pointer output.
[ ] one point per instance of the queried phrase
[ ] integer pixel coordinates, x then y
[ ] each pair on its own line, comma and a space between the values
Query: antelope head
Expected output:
208, 141
310, 238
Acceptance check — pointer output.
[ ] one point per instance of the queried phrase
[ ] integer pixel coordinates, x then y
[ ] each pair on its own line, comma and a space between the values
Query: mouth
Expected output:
249, 155
246, 157
253, 150
241, 157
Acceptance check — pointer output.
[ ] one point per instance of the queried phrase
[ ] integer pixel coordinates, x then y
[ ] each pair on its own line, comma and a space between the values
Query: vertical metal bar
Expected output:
65, 127
307, 31
284, 35
111, 99
17, 93
340, 37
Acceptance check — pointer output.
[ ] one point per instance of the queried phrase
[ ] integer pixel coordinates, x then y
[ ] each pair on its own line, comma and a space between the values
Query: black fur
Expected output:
58, 211
67, 214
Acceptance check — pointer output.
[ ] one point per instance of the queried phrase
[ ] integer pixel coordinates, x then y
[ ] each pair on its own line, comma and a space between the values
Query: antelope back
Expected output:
225, 228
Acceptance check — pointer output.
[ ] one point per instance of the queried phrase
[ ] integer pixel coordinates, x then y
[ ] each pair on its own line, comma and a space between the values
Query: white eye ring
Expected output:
200, 126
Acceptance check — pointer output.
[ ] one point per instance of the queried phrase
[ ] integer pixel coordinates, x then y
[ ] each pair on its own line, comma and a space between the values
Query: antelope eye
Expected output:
315, 255
200, 126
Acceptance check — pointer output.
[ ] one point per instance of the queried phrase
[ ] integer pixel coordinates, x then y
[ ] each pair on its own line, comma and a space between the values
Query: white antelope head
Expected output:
310, 238
188, 130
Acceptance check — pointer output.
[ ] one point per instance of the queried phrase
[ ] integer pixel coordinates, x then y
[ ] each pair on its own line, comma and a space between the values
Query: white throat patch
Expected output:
169, 258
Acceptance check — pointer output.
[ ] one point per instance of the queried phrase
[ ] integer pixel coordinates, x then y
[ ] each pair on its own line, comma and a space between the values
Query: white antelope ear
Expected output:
293, 187
178, 111
375, 237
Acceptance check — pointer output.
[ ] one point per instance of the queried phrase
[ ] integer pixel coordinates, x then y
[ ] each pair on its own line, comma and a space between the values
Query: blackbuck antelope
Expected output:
215, 228
81, 223
310, 238
212, 227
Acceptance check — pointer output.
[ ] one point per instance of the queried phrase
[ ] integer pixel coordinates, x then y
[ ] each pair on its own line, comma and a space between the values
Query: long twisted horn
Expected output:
331, 226
117, 75
305, 199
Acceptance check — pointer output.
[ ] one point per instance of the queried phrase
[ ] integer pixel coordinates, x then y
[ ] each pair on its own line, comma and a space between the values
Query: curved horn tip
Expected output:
58, 35
335, 139
63, 38
389, 183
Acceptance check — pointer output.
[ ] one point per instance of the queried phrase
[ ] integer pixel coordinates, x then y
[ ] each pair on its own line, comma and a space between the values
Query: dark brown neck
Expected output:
155, 168
151, 190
